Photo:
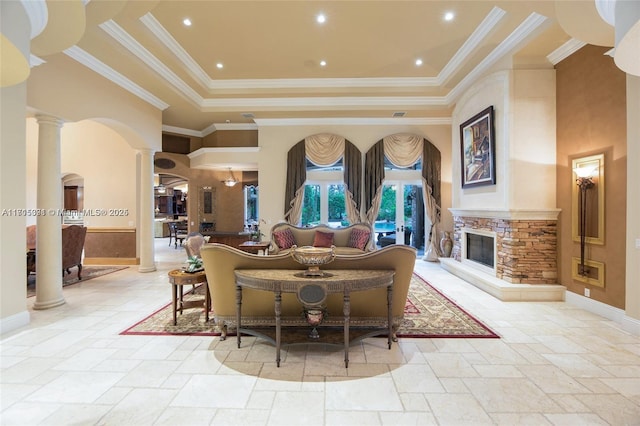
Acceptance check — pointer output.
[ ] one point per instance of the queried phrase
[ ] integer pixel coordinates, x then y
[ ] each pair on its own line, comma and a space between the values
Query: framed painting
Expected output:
477, 150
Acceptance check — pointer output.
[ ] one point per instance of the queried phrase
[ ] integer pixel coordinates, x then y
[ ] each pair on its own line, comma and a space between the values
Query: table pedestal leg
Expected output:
238, 312
346, 308
389, 314
278, 308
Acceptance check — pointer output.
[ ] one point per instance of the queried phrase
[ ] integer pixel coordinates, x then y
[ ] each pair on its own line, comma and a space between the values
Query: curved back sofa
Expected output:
353, 239
368, 308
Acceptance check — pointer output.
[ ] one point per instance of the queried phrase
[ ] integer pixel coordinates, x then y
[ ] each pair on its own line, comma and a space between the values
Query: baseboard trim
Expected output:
110, 261
14, 322
612, 313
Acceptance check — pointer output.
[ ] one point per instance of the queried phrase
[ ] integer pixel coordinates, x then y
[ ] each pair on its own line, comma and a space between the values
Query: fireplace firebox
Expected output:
480, 248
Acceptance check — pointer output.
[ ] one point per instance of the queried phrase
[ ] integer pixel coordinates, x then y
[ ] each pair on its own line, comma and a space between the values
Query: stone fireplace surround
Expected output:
525, 253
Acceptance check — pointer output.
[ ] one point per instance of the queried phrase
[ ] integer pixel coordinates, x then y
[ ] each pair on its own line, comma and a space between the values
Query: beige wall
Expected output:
591, 104
103, 159
525, 124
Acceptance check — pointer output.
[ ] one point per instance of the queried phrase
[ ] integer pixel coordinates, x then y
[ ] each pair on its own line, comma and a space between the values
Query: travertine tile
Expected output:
554, 364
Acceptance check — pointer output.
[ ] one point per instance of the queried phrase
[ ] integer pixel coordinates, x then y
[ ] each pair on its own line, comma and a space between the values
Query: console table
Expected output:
312, 292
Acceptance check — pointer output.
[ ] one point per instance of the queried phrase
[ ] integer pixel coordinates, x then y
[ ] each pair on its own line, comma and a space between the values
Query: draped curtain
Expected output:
404, 150
322, 150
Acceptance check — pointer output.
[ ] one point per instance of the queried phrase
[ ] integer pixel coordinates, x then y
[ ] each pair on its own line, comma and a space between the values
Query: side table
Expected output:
179, 278
255, 247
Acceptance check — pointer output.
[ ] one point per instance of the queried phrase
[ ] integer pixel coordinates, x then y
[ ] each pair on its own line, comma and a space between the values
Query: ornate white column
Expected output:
49, 226
145, 212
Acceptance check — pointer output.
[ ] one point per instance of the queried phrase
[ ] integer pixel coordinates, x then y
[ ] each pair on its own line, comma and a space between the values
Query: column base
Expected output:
146, 268
49, 304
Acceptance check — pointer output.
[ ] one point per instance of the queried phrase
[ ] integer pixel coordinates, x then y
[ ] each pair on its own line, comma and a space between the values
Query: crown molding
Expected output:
133, 46
532, 24
355, 121
489, 23
323, 102
172, 44
210, 129
38, 15
109, 73
234, 150
566, 50
182, 131
34, 60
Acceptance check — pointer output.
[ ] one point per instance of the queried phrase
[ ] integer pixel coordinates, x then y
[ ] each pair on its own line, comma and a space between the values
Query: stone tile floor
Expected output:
554, 365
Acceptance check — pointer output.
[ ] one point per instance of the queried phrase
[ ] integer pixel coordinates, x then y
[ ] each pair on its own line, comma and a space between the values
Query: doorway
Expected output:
401, 216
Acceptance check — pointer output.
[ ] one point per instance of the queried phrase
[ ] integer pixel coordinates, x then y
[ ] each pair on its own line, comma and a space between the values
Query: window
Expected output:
324, 198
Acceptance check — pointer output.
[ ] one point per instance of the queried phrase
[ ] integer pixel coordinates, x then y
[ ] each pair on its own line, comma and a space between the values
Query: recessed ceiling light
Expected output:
187, 22
449, 16
321, 19
418, 62
219, 65
323, 63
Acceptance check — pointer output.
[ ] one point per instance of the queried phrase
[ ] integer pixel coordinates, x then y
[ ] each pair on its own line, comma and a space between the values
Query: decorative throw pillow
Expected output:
323, 239
358, 238
284, 239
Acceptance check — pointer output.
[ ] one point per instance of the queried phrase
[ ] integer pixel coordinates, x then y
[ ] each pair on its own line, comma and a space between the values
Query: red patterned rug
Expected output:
428, 314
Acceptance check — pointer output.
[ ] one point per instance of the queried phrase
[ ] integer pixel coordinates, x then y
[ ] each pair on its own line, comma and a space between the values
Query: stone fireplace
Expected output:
507, 251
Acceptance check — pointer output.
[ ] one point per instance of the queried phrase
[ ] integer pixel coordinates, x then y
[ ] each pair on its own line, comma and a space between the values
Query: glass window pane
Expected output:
337, 209
311, 205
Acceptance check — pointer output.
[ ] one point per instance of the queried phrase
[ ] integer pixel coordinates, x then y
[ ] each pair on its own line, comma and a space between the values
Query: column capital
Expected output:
49, 119
147, 151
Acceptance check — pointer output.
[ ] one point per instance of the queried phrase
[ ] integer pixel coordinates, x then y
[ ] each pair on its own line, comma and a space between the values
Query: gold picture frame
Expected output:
594, 277
595, 201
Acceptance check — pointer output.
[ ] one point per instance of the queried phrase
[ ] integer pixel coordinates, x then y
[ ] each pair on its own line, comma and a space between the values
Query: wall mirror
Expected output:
594, 197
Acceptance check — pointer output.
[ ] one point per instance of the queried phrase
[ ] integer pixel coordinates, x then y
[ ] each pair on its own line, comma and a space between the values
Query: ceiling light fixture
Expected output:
449, 16
418, 62
187, 22
219, 65
321, 19
231, 180
323, 63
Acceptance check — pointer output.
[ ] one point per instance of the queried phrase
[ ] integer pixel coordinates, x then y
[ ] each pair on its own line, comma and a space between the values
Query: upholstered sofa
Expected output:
354, 239
368, 308
73, 237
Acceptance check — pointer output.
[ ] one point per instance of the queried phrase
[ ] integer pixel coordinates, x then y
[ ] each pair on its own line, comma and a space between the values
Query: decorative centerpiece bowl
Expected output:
313, 257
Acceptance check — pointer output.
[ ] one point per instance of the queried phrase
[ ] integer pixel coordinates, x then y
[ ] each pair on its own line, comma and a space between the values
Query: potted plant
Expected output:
194, 264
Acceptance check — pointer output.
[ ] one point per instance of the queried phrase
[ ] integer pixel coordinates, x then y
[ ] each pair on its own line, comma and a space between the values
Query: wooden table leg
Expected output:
175, 303
207, 301
278, 308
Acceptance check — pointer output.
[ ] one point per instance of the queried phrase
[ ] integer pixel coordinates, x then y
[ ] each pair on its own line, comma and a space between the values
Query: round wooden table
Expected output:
179, 278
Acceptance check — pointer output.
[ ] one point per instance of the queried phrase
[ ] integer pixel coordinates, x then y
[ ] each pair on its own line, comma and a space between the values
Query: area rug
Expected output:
428, 314
88, 272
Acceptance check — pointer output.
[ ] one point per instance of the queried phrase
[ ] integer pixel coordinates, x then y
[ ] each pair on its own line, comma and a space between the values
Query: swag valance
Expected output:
404, 150
323, 150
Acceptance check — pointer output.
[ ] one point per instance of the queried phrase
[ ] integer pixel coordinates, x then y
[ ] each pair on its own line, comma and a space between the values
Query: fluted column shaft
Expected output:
49, 225
145, 212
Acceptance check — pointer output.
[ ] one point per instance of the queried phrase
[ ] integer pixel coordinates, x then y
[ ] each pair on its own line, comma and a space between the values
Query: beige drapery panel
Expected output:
323, 150
403, 150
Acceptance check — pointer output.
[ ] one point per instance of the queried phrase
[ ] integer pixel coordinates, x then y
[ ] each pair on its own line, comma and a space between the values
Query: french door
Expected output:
401, 215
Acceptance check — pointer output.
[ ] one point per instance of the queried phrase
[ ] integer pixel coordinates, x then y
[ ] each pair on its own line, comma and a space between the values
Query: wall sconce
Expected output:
585, 182
231, 180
